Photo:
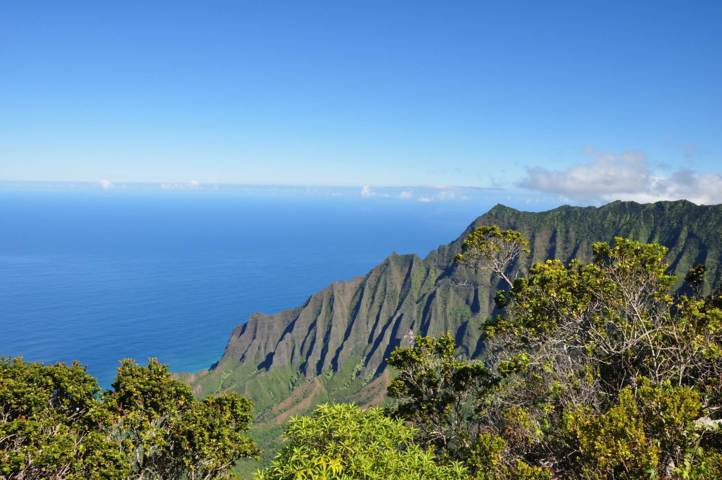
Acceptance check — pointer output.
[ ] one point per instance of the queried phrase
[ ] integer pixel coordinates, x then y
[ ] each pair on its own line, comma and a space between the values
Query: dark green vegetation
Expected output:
591, 371
333, 348
55, 423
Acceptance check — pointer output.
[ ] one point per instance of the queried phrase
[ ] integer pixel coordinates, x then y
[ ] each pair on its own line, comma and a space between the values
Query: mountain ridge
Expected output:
340, 337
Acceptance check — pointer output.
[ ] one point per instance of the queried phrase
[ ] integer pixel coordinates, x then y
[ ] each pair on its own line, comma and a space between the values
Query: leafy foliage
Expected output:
56, 424
594, 371
491, 247
344, 442
436, 392
52, 424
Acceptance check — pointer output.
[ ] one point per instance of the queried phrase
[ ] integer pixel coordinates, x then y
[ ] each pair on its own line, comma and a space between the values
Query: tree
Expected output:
436, 391
209, 437
603, 371
344, 442
167, 434
489, 247
52, 425
56, 424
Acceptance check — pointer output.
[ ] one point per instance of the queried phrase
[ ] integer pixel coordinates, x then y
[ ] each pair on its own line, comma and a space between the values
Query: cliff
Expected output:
332, 348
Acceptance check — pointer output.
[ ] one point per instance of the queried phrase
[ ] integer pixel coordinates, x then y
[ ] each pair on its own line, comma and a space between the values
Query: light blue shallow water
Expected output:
102, 276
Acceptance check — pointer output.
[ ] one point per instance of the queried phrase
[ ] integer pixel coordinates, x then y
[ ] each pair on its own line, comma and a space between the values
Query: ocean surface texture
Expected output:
101, 276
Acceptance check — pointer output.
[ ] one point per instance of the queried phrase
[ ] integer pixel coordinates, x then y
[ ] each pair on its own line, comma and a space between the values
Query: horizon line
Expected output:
196, 184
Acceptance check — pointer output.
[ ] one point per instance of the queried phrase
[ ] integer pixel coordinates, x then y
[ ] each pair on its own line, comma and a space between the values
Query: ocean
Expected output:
102, 276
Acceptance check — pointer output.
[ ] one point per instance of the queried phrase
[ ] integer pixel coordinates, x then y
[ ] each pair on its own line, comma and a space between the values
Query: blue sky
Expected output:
594, 99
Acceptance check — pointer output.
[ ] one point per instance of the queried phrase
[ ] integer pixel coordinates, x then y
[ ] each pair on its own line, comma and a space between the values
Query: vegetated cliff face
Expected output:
333, 347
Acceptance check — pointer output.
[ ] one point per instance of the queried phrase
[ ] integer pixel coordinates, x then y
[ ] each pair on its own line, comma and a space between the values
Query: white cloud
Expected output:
191, 185
443, 193
424, 194
105, 184
367, 191
626, 176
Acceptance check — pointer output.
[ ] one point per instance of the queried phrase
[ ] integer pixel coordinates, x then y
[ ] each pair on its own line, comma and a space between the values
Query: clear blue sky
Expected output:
353, 93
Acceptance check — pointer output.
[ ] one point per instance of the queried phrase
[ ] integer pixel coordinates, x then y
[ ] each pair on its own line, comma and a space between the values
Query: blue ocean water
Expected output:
99, 276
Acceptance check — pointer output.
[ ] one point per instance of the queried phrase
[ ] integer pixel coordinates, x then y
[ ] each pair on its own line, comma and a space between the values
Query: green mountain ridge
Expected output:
333, 347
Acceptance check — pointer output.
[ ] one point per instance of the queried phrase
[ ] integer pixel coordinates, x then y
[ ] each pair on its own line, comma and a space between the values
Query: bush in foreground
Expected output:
56, 424
343, 442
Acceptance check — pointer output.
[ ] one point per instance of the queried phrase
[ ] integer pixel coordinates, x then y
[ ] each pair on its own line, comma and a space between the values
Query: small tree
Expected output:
438, 392
489, 247
167, 434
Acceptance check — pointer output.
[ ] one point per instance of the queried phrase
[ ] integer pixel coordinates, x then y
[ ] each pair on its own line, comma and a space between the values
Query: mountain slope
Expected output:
333, 347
